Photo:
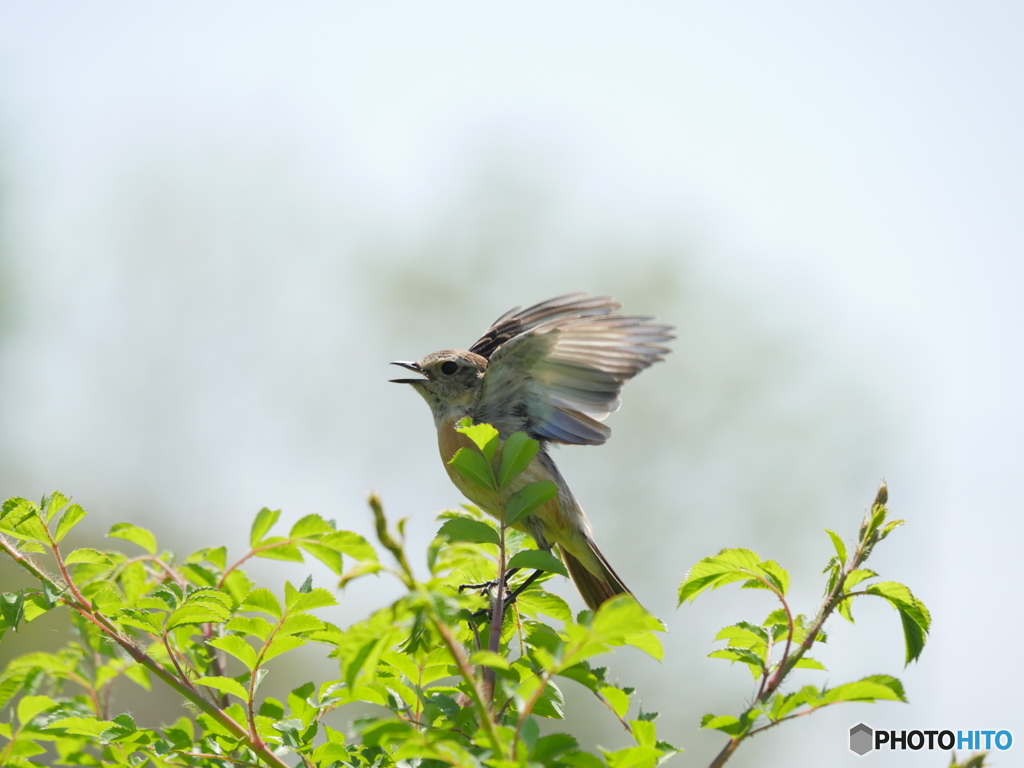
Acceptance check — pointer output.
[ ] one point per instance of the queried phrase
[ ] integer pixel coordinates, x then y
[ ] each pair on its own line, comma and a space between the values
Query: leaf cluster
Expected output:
200, 625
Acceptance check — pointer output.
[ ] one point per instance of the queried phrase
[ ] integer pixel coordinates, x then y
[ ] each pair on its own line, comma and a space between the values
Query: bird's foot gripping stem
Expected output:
511, 596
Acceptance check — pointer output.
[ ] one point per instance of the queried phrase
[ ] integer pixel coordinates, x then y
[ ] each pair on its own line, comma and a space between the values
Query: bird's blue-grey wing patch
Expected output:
561, 376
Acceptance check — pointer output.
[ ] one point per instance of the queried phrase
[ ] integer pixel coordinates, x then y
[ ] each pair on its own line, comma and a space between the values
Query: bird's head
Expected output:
450, 381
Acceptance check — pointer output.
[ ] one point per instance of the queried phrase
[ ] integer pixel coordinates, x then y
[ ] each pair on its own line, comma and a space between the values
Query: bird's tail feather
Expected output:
594, 587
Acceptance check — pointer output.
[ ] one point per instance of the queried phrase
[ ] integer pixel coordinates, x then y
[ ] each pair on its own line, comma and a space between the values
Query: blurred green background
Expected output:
219, 224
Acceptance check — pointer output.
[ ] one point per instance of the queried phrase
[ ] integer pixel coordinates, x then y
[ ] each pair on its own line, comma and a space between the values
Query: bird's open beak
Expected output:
412, 367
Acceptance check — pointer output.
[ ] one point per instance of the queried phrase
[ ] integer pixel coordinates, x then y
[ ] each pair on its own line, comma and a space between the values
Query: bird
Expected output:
554, 371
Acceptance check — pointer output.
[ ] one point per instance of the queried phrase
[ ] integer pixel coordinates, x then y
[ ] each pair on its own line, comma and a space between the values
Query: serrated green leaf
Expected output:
226, 685
256, 626
539, 560
87, 555
647, 642
12, 608
264, 521
134, 534
617, 699
237, 647
198, 612
351, 544
839, 545
743, 635
528, 499
914, 615
24, 521
535, 600
297, 602
645, 732
874, 688
329, 557
279, 548
310, 525
30, 706
807, 662
516, 455
727, 566
300, 623
777, 575
282, 644
489, 659
853, 578
473, 467
484, 437
262, 600
464, 529
68, 520
52, 504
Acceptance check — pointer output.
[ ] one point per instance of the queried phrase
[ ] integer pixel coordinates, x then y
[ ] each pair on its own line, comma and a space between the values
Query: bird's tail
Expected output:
595, 584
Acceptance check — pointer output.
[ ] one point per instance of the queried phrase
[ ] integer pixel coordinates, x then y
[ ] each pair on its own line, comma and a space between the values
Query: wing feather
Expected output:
556, 369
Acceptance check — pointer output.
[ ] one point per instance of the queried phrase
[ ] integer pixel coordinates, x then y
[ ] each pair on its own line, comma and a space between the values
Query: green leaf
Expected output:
489, 659
516, 455
198, 612
808, 663
225, 684
871, 688
464, 529
282, 644
484, 437
776, 574
23, 520
474, 467
329, 557
753, 661
12, 608
264, 521
263, 600
617, 699
256, 626
351, 544
296, 601
645, 732
135, 535
310, 525
724, 723
915, 617
535, 600
87, 555
853, 578
30, 706
838, 543
53, 504
539, 560
279, 548
237, 647
727, 566
743, 635
527, 499
72, 515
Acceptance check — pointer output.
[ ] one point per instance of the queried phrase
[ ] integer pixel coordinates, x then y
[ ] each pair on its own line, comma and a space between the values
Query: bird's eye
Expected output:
448, 367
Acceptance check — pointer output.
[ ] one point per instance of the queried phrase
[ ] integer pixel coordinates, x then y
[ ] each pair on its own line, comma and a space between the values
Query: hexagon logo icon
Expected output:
861, 739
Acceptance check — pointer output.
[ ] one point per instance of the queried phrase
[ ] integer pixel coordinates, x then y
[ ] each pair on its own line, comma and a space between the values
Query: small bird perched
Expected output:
553, 371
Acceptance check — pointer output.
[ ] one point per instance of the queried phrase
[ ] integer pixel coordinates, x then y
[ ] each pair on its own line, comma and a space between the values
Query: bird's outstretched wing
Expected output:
555, 369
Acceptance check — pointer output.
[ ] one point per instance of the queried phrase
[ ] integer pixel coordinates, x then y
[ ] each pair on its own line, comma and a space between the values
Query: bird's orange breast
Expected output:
557, 522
